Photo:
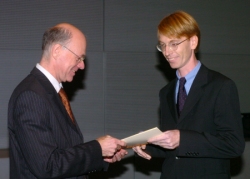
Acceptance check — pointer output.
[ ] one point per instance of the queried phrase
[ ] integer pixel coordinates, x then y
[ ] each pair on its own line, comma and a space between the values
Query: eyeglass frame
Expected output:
158, 46
79, 59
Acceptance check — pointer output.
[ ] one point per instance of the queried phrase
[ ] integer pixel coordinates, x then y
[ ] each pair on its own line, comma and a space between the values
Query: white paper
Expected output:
141, 138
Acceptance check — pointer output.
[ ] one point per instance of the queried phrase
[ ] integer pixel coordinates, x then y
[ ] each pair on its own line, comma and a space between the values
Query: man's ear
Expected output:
56, 50
194, 42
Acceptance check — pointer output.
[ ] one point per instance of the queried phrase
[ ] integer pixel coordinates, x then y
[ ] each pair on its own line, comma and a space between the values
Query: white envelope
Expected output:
141, 138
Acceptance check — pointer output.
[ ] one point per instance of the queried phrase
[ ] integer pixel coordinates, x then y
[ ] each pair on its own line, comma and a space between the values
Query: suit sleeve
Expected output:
227, 141
36, 143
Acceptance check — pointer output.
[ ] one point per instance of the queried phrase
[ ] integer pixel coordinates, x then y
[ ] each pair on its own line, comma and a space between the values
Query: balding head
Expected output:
64, 48
61, 34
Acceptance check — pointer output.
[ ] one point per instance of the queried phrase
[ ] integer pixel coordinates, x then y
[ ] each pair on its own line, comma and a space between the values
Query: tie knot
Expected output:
182, 81
62, 93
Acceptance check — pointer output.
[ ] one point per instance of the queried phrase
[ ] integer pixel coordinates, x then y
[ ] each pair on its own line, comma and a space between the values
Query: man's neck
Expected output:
183, 71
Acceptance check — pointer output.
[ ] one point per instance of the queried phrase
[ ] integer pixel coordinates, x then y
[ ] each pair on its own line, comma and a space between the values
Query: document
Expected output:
141, 138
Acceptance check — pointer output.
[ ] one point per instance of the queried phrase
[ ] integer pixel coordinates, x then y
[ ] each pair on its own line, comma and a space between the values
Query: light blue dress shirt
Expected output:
189, 79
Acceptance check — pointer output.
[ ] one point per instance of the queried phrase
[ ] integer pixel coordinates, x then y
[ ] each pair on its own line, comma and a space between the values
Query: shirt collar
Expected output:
192, 73
50, 77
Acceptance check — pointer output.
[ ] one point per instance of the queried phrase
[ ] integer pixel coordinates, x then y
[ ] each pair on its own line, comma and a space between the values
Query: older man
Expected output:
45, 140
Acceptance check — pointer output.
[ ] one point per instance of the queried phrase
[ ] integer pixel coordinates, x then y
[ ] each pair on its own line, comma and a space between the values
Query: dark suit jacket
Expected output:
210, 128
44, 143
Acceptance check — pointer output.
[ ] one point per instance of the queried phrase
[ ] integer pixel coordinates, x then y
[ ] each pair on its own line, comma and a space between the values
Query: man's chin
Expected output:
173, 66
69, 80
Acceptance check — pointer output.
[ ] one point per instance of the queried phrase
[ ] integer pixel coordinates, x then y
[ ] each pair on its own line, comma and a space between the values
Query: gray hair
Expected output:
53, 35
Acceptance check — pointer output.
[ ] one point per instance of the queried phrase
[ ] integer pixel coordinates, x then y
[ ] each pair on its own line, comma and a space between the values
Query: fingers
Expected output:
157, 138
169, 139
143, 147
120, 154
110, 145
108, 159
141, 153
117, 157
121, 143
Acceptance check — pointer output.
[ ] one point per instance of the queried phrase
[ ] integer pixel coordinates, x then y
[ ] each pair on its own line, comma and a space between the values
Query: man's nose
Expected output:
81, 65
167, 51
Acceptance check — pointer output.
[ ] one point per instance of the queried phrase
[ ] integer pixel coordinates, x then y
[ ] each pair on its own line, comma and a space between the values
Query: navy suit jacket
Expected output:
44, 143
210, 128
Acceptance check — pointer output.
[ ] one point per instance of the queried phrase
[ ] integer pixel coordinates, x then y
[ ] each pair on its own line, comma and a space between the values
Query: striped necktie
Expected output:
66, 104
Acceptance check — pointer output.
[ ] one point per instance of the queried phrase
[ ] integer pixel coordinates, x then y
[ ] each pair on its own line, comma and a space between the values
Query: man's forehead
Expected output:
167, 38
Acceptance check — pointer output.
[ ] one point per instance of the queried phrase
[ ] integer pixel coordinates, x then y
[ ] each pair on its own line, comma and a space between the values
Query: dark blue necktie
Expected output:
182, 95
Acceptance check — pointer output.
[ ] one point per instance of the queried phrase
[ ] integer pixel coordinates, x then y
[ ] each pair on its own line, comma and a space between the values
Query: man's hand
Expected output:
110, 145
117, 157
169, 139
138, 150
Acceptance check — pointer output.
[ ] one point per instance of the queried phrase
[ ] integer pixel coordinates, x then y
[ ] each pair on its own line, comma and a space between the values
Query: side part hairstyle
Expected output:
179, 24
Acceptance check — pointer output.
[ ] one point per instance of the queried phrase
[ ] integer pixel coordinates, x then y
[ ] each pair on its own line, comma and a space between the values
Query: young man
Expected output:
200, 113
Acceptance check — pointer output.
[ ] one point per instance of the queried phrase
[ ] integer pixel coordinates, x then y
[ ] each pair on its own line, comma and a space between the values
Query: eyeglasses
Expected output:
79, 59
172, 46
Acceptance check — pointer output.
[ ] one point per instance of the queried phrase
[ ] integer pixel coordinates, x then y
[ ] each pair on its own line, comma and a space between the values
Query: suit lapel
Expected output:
59, 106
54, 99
196, 91
171, 99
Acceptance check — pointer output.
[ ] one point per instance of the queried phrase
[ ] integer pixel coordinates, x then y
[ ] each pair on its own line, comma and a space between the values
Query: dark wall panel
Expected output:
14, 66
24, 22
131, 97
87, 100
131, 25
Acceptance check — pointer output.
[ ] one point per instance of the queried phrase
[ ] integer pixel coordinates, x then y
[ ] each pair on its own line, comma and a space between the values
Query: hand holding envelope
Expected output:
139, 141
141, 138
168, 139
112, 148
